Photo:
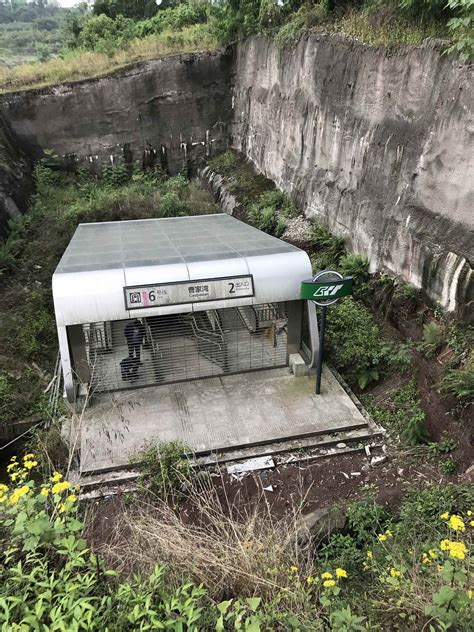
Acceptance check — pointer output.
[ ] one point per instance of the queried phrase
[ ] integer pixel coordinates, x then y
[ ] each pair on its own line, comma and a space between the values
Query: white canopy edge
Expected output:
96, 296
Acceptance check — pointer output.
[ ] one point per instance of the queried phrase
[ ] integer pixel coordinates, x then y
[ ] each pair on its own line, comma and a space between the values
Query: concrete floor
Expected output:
213, 414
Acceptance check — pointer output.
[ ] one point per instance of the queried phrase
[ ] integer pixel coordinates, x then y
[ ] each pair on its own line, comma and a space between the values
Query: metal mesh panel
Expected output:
188, 346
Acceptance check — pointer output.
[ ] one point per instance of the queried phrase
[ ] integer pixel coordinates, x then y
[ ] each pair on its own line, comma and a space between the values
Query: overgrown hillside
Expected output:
33, 247
116, 34
196, 551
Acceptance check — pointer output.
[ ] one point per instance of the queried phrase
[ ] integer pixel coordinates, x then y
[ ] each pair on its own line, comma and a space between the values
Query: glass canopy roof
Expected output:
154, 242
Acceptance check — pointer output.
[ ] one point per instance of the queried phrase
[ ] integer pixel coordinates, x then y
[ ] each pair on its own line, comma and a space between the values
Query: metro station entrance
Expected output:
150, 302
178, 347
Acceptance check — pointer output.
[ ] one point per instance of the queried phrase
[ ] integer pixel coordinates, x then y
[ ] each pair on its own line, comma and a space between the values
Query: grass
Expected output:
385, 28
234, 550
229, 548
86, 65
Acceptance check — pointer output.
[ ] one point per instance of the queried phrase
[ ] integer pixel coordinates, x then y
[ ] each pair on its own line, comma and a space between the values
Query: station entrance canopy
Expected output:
230, 276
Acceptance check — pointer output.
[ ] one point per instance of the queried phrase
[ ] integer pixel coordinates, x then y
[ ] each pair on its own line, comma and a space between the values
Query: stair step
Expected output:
365, 434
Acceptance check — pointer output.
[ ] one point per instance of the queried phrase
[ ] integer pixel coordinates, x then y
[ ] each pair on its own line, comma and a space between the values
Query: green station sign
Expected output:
327, 290
324, 289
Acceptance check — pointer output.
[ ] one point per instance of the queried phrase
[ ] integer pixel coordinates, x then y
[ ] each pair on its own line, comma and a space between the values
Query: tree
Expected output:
134, 9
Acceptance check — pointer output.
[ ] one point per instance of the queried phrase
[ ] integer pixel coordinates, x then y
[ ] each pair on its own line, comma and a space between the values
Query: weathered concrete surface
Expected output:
178, 104
377, 144
214, 414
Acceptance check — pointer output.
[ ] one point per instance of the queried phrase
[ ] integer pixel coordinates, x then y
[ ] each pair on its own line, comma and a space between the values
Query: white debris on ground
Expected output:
298, 230
251, 465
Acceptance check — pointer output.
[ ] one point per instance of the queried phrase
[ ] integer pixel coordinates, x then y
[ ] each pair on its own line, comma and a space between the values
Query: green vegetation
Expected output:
165, 467
357, 347
401, 414
460, 382
271, 212
32, 31
84, 43
386, 571
434, 337
35, 244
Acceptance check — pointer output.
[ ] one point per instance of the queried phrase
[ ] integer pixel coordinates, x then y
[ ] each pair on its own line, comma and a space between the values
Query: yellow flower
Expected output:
56, 477
44, 491
388, 533
444, 516
469, 594
3, 488
14, 476
328, 583
27, 457
456, 523
293, 569
62, 508
30, 464
11, 466
340, 572
370, 555
326, 575
310, 580
394, 572
426, 559
432, 553
18, 493
60, 487
458, 550
72, 498
382, 537
471, 522
444, 545
469, 513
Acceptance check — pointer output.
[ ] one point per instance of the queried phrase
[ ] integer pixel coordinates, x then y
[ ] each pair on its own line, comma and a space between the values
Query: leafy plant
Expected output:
356, 266
323, 239
439, 448
448, 466
461, 27
460, 382
357, 347
166, 467
115, 175
366, 518
434, 337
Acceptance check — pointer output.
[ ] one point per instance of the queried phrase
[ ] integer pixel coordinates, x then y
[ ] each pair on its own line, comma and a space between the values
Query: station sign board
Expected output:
182, 292
326, 288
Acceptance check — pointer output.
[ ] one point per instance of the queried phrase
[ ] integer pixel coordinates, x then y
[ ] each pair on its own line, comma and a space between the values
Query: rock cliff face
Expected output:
176, 106
376, 144
15, 171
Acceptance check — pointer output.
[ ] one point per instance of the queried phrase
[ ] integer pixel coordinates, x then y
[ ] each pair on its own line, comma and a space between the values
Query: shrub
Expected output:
460, 382
115, 175
323, 239
366, 518
225, 163
305, 18
170, 205
166, 468
434, 337
271, 212
356, 345
461, 27
356, 266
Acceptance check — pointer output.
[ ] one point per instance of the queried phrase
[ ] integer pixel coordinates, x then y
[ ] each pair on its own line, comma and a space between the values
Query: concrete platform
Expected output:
214, 415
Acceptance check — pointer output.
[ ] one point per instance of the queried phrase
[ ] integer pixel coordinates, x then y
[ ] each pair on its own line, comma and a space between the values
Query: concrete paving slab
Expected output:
214, 415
